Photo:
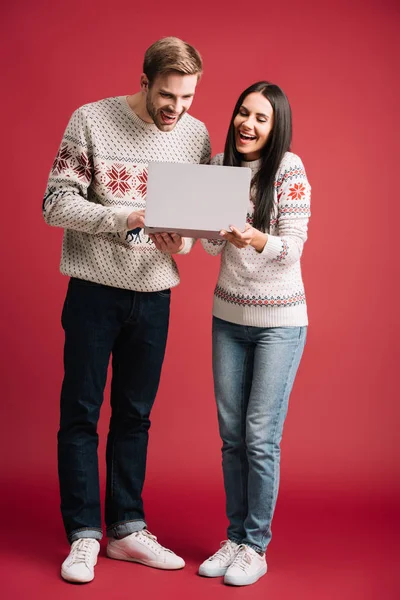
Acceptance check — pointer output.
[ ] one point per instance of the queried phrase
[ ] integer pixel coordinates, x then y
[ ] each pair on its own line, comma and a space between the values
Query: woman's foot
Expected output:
218, 563
247, 567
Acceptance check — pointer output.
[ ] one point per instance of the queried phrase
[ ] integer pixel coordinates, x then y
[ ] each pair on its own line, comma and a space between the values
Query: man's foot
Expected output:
142, 547
218, 563
247, 567
79, 565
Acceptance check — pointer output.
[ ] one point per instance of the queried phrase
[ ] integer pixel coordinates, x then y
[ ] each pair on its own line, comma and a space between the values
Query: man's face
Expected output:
168, 98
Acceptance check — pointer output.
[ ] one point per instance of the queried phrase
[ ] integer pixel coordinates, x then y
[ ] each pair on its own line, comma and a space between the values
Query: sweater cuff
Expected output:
188, 245
121, 218
273, 247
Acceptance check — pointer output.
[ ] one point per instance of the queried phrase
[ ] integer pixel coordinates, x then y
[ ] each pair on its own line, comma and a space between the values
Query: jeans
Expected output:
100, 321
254, 371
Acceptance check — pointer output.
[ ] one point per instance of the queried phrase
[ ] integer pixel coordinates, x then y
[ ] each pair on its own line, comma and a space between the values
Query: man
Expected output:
118, 298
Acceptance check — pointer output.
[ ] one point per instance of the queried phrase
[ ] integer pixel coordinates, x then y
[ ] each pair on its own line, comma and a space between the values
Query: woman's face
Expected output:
253, 124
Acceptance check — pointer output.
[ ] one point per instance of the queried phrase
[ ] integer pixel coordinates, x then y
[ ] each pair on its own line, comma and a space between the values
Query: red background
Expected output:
334, 526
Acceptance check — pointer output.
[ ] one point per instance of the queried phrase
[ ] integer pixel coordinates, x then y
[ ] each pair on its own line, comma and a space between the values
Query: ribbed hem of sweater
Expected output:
261, 316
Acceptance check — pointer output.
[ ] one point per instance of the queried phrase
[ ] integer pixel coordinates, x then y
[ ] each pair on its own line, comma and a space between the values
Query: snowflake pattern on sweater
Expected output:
266, 289
99, 176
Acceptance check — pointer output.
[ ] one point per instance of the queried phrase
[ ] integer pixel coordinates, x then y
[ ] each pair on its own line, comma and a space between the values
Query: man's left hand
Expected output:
168, 242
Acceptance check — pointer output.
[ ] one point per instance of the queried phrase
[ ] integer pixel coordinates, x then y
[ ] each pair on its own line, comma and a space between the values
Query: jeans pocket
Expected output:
164, 293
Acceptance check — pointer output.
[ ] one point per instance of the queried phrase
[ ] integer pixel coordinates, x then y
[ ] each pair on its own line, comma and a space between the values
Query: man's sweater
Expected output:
99, 177
266, 289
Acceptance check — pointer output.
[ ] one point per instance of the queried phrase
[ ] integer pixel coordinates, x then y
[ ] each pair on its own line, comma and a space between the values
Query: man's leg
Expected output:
90, 320
138, 355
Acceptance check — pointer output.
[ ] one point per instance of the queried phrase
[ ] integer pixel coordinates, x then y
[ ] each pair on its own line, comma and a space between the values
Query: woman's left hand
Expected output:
249, 237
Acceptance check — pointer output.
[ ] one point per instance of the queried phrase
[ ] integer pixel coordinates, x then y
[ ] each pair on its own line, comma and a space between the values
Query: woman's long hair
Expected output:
277, 144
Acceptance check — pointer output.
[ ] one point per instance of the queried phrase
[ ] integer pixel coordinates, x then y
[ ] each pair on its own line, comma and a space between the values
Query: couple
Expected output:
118, 300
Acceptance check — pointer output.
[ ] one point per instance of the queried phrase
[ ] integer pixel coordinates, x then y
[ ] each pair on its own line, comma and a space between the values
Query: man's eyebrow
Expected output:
162, 91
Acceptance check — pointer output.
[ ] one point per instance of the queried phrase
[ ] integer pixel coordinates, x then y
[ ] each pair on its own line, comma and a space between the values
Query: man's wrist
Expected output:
182, 246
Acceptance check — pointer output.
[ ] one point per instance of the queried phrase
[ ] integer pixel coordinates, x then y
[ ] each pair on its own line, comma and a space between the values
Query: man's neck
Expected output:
137, 104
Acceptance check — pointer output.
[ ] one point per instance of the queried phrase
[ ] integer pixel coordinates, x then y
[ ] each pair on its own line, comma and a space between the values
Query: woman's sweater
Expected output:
265, 289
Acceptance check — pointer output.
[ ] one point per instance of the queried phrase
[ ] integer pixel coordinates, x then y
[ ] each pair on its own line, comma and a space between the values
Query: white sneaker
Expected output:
218, 563
247, 567
142, 547
79, 565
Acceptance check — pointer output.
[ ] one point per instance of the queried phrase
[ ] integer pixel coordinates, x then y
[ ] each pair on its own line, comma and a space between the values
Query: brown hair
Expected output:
171, 54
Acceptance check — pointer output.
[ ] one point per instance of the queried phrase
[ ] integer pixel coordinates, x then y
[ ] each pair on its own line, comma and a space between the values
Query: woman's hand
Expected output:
249, 237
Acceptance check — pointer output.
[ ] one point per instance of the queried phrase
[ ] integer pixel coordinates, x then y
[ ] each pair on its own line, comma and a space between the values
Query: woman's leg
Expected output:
276, 359
232, 367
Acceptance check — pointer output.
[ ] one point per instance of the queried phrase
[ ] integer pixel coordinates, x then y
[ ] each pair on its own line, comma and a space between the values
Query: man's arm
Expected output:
66, 202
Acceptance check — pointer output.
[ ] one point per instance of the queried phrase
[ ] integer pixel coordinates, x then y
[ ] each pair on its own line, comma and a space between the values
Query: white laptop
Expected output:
196, 200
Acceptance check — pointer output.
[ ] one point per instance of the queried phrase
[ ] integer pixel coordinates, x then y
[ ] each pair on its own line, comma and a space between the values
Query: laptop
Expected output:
196, 200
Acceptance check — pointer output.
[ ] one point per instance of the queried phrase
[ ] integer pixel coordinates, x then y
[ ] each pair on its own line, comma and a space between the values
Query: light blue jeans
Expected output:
254, 371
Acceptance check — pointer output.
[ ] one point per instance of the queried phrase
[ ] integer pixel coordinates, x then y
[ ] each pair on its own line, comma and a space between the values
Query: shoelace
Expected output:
243, 558
225, 551
153, 541
82, 550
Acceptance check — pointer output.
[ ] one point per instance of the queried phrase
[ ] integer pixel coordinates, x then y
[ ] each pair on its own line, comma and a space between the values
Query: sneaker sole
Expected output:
148, 563
70, 579
240, 581
216, 573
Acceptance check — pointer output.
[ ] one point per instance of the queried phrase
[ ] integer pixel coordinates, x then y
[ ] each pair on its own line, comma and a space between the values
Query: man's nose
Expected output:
177, 106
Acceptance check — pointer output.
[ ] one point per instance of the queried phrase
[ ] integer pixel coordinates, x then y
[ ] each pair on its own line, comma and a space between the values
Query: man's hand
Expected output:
248, 237
136, 219
167, 242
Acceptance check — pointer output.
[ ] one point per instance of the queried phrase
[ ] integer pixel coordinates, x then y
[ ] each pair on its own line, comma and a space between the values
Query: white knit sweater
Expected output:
99, 177
266, 289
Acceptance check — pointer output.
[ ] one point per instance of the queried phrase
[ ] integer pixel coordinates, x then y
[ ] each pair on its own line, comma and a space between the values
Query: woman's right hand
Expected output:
249, 237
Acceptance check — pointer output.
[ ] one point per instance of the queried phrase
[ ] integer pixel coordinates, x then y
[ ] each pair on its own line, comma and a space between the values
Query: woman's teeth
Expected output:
246, 137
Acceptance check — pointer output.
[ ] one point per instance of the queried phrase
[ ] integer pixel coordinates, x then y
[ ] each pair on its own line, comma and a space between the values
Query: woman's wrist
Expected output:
259, 241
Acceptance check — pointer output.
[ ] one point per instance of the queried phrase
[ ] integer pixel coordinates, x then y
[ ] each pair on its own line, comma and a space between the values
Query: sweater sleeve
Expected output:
213, 247
294, 194
189, 243
66, 203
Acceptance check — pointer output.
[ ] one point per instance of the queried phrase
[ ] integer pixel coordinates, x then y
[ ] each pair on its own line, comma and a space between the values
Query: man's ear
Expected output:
144, 82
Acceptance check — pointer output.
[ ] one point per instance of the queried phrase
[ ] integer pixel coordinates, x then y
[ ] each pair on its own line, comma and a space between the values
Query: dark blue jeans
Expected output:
100, 321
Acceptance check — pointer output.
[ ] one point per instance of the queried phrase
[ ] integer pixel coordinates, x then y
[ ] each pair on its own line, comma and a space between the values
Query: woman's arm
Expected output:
213, 247
294, 194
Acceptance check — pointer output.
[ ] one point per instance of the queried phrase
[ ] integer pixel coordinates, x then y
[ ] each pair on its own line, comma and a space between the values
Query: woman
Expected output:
259, 325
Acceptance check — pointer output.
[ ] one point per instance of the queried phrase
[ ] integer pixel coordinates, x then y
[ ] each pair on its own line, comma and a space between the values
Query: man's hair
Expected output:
170, 54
